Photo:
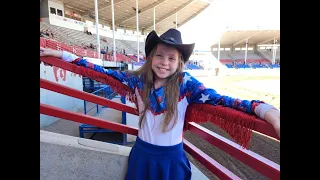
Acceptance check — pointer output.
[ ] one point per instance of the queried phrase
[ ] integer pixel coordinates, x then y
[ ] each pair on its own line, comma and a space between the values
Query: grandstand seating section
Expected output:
254, 60
49, 43
191, 67
70, 40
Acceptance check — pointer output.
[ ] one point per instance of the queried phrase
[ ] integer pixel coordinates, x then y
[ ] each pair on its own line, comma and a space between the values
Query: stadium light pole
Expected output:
97, 27
137, 20
113, 29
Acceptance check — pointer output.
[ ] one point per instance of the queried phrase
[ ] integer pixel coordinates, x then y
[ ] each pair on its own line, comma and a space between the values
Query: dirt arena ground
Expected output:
266, 88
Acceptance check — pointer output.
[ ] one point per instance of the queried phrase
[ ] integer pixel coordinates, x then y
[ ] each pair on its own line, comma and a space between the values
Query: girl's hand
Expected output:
273, 117
49, 52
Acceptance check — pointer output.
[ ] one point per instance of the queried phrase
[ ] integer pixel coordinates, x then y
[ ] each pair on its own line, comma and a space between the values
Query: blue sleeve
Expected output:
198, 93
130, 80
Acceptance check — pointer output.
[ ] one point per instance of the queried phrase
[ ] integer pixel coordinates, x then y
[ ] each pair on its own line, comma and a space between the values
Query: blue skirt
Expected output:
152, 162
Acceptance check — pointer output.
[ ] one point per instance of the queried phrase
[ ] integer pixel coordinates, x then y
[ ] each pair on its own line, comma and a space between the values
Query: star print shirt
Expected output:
191, 91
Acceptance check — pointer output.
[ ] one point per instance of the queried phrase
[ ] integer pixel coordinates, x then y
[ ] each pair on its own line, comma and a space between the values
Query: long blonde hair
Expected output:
171, 90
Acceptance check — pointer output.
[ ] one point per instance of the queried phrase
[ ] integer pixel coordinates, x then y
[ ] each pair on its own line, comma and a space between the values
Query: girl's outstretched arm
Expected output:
197, 93
125, 78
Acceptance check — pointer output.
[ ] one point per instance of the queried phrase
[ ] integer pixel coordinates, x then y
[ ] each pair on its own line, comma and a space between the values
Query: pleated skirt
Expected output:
152, 162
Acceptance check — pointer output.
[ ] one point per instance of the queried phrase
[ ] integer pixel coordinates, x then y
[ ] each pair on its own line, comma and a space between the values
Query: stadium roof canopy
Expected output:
255, 37
125, 13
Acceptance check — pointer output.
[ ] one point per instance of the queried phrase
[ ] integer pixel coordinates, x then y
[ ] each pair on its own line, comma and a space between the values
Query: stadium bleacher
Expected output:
75, 38
77, 42
246, 49
191, 67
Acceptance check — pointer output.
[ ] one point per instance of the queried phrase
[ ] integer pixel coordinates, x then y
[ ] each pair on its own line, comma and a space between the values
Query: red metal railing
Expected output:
255, 161
217, 169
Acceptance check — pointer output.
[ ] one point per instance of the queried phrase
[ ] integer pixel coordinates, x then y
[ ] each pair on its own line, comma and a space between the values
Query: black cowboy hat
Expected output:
171, 37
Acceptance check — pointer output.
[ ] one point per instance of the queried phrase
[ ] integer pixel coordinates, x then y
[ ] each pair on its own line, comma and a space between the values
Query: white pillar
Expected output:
176, 20
97, 27
154, 18
273, 52
137, 20
194, 54
219, 50
245, 56
113, 29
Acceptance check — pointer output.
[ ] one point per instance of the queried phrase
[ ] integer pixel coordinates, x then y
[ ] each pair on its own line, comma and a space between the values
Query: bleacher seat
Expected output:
229, 65
275, 66
242, 66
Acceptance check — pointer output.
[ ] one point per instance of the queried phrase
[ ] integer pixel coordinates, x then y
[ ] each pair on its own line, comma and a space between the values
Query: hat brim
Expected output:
153, 39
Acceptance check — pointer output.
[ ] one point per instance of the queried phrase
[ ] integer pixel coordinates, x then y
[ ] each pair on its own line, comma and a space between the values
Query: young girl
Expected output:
163, 92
